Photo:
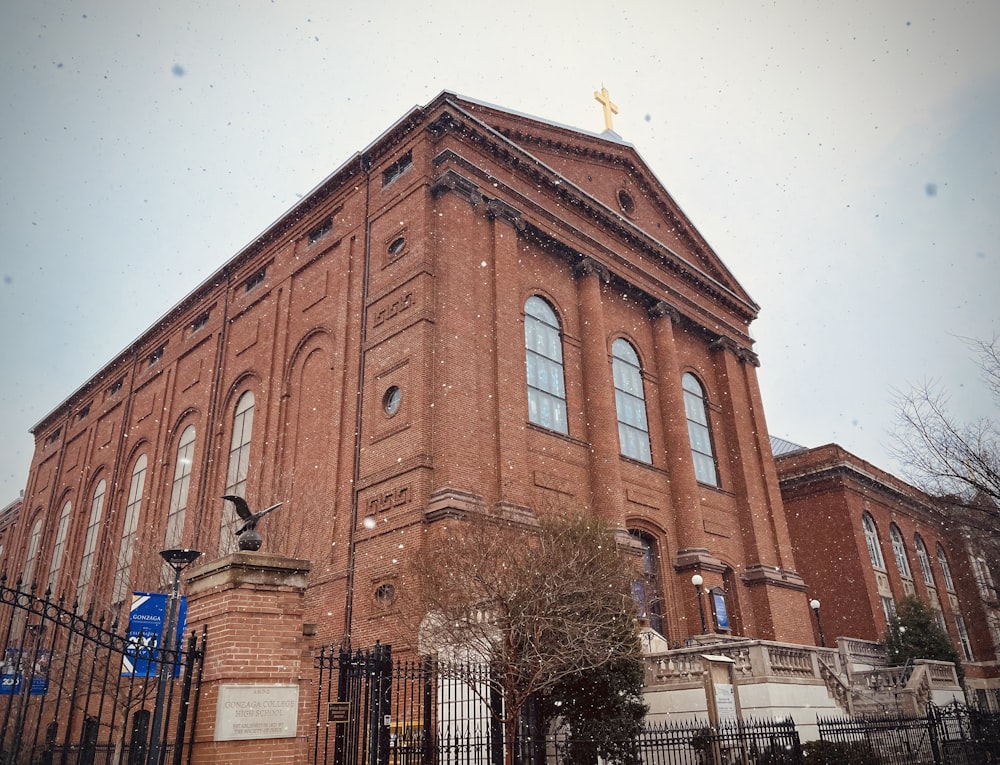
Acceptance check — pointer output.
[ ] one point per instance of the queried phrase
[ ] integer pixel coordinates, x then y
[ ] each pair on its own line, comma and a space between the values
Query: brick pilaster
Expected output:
598, 386
684, 494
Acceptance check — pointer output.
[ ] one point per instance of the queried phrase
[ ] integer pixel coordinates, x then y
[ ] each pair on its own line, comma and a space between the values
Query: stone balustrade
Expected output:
751, 659
854, 678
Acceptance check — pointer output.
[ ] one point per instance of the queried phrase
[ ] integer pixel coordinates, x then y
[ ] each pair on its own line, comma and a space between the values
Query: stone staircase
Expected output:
862, 683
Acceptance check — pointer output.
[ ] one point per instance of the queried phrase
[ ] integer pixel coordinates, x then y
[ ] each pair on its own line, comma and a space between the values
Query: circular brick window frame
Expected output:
391, 400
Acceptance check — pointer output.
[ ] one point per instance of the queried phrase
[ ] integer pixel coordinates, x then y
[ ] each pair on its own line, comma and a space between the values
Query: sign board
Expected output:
146, 619
256, 711
720, 610
720, 689
338, 712
17, 664
725, 701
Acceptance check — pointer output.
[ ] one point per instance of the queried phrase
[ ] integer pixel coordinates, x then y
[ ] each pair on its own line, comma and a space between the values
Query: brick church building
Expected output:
480, 312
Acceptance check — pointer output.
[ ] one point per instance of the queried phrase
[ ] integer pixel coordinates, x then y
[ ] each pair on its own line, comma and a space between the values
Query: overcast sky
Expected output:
840, 157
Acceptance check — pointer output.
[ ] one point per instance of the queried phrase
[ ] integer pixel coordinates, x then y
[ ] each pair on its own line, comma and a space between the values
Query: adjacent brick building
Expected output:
864, 540
480, 312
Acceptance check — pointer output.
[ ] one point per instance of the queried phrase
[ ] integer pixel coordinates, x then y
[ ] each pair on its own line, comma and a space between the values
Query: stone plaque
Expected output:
256, 711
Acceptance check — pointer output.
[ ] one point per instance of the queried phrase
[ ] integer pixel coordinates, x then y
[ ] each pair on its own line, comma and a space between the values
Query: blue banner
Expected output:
146, 622
721, 613
15, 667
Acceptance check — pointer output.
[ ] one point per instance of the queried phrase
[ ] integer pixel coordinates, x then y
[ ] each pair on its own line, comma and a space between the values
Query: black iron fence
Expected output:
377, 711
951, 735
374, 711
71, 690
693, 742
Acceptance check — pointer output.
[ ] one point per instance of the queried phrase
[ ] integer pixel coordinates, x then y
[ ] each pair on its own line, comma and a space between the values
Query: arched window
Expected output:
871, 539
924, 560
633, 429
179, 489
126, 547
544, 363
239, 467
963, 638
646, 590
59, 548
34, 547
984, 579
699, 431
90, 545
899, 551
942, 557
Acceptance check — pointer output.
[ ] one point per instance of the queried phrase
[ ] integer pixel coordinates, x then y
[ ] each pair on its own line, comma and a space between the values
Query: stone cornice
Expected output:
723, 343
450, 180
497, 209
586, 266
697, 559
844, 470
661, 309
759, 574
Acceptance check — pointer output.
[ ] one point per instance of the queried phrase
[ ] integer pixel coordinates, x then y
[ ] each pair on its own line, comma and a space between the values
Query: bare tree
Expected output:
535, 605
947, 457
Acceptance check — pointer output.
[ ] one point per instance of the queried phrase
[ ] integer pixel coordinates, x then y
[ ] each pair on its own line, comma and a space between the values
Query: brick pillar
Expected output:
684, 492
777, 593
599, 390
252, 605
514, 468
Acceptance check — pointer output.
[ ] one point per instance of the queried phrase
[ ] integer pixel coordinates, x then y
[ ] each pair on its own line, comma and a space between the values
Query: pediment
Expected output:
610, 172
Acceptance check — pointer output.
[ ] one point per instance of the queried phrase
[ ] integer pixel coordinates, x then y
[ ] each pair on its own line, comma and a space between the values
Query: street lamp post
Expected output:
178, 560
697, 581
814, 605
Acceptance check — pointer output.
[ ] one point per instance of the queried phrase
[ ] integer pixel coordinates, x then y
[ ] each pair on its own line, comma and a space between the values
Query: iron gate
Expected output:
65, 699
372, 710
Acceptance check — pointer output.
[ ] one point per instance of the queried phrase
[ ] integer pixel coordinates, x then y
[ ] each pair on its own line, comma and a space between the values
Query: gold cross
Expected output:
609, 108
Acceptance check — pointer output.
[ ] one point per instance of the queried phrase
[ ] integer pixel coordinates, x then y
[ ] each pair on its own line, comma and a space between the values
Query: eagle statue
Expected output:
247, 537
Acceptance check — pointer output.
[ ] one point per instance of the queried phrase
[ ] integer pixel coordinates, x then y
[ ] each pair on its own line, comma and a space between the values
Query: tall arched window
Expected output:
984, 579
126, 547
699, 430
179, 489
942, 557
62, 531
899, 551
963, 638
633, 429
871, 539
924, 560
34, 547
544, 363
90, 545
239, 467
646, 591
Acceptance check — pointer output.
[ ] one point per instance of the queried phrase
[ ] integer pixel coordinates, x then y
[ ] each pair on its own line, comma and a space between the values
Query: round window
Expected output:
391, 400
385, 594
396, 247
626, 202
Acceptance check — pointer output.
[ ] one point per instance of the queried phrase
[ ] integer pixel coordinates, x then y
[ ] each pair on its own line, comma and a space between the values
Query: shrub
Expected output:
839, 753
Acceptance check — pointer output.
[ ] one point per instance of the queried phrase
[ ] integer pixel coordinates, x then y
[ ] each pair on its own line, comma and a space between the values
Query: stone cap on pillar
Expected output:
248, 568
697, 559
